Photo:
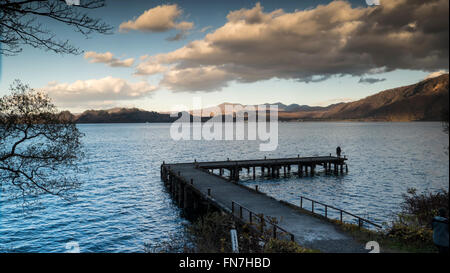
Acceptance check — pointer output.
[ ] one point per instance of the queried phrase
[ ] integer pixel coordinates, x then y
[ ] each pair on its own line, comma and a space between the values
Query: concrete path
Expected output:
309, 231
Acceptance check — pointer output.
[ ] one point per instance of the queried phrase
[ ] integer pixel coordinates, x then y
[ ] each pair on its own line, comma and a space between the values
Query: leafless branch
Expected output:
20, 24
39, 148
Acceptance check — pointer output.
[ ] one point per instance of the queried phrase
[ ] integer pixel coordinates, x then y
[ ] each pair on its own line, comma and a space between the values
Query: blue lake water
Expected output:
122, 203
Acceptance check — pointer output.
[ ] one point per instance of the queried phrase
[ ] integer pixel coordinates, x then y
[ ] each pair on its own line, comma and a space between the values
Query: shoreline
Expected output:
284, 121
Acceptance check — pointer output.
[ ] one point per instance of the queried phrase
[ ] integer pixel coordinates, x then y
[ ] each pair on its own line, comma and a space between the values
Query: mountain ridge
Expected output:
422, 101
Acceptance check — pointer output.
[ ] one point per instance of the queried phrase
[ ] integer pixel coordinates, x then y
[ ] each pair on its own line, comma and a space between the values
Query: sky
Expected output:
161, 54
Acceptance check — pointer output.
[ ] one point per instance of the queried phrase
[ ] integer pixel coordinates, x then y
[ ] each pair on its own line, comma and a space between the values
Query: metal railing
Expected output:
341, 212
262, 220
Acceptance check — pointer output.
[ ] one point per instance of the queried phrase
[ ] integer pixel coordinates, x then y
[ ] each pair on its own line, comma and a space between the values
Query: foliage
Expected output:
210, 233
419, 209
410, 231
39, 149
411, 234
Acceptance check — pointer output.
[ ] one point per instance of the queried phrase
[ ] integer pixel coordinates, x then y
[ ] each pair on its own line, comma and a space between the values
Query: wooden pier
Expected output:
304, 166
198, 186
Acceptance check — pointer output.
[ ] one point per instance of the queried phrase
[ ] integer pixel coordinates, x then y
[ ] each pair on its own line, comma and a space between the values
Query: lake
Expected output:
122, 203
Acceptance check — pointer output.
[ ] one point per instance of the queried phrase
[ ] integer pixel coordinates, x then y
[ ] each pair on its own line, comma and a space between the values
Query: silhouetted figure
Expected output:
338, 151
440, 231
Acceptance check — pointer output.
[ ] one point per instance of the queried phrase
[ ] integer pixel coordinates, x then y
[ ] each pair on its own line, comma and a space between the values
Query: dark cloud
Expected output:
177, 37
370, 80
310, 45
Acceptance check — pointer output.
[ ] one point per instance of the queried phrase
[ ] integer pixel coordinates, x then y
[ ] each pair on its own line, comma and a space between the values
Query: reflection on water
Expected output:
122, 202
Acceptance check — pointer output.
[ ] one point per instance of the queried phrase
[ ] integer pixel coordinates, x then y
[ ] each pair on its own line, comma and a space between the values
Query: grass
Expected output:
393, 240
210, 233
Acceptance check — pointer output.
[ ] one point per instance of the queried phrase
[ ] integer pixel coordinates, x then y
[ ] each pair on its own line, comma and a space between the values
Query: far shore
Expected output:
283, 121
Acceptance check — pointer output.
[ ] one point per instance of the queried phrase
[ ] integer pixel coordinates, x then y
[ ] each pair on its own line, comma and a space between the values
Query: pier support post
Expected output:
171, 183
254, 172
180, 194
186, 198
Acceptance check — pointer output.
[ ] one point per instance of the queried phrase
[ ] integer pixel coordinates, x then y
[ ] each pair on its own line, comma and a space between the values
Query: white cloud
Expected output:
158, 19
149, 66
436, 74
307, 45
107, 58
207, 78
96, 91
205, 28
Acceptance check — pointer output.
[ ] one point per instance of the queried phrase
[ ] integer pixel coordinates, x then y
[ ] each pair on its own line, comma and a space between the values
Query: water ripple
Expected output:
122, 202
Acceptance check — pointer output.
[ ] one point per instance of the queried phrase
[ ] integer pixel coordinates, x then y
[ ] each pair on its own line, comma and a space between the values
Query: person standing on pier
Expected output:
338, 151
440, 231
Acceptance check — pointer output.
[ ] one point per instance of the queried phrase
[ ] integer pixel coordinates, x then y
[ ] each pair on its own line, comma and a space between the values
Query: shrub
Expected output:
421, 208
411, 234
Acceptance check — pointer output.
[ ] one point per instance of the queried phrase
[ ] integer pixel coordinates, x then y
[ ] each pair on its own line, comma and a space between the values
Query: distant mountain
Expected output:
281, 107
295, 107
423, 101
121, 115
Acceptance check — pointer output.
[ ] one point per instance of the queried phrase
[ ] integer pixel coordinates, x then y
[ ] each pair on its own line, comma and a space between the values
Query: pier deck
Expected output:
187, 179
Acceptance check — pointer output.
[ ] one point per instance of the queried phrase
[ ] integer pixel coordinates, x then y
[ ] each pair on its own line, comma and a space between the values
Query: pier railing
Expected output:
238, 208
361, 220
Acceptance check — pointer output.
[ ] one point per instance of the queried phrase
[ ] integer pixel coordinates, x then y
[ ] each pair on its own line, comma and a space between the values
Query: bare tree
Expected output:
21, 24
39, 148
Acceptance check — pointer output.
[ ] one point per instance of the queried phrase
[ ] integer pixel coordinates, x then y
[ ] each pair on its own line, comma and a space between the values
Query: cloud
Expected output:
158, 19
96, 91
107, 58
177, 37
315, 44
207, 78
370, 80
149, 66
205, 28
436, 74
